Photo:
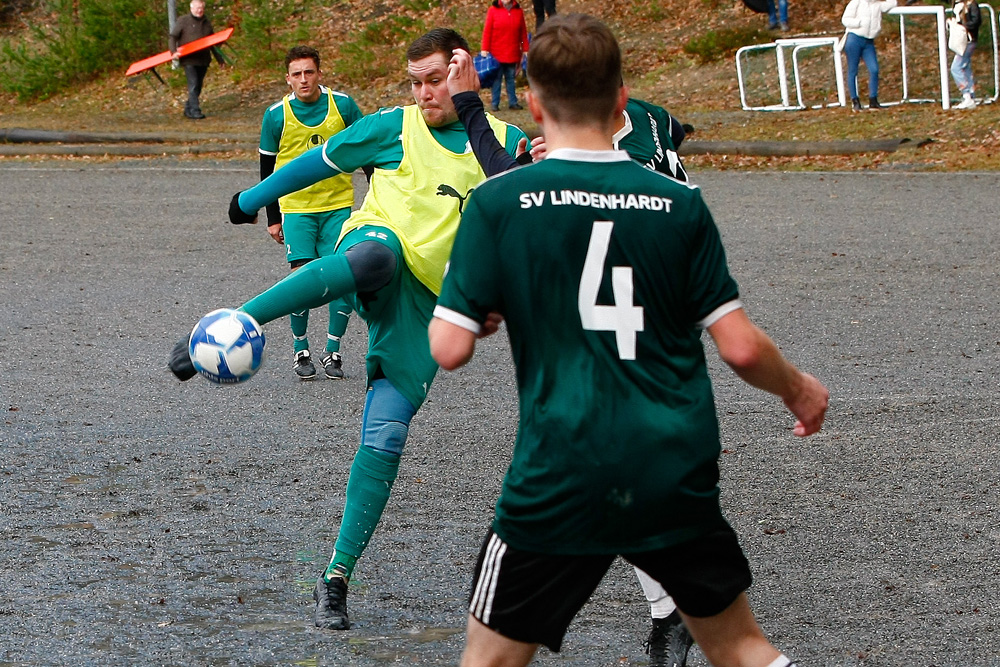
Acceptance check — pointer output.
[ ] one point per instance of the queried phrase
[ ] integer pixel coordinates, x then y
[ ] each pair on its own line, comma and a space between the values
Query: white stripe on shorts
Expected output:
482, 600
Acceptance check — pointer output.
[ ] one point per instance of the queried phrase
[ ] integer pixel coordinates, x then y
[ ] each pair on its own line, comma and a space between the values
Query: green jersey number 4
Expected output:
624, 317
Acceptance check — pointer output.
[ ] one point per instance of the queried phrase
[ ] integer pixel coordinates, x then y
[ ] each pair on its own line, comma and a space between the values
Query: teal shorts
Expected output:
398, 316
312, 235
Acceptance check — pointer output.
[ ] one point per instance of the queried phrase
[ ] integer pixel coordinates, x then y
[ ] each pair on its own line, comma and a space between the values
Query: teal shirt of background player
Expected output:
374, 141
613, 455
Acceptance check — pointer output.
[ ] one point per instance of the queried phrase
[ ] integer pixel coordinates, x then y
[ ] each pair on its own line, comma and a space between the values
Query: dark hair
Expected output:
575, 68
300, 52
438, 40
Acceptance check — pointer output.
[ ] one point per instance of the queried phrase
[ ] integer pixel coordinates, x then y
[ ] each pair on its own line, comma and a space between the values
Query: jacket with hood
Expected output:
864, 17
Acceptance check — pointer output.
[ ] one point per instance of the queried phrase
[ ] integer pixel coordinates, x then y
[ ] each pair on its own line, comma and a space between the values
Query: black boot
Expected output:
873, 103
855, 104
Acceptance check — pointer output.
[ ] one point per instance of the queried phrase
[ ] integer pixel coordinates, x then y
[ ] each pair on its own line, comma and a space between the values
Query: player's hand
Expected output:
180, 361
808, 404
523, 155
538, 149
236, 214
276, 232
462, 76
491, 325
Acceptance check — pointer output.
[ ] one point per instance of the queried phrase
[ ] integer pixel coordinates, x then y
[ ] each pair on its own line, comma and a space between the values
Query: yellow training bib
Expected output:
421, 201
297, 138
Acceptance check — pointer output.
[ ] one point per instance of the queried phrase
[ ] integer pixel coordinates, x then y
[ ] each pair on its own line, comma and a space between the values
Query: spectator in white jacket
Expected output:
863, 20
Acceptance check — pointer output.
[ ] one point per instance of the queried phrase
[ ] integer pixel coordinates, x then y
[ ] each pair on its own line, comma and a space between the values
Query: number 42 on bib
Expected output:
624, 317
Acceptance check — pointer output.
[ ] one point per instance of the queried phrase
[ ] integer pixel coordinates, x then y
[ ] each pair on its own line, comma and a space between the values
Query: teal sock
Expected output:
340, 313
372, 475
315, 284
300, 325
341, 565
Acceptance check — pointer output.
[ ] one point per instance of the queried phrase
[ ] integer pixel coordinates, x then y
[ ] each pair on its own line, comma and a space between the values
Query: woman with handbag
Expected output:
967, 20
863, 20
505, 37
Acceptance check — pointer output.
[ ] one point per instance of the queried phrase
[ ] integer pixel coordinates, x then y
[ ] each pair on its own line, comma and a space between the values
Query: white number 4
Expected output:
624, 318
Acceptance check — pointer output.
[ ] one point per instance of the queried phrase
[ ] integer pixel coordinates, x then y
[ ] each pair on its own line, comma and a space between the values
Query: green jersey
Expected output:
606, 273
647, 138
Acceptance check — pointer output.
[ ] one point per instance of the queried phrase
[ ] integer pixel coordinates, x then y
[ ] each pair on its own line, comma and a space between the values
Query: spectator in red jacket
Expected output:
506, 37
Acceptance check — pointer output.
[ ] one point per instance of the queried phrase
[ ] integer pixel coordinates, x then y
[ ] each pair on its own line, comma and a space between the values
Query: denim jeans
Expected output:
773, 15
859, 48
506, 72
961, 70
195, 78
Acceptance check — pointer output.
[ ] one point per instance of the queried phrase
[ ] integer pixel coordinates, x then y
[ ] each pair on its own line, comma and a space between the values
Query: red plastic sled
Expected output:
184, 50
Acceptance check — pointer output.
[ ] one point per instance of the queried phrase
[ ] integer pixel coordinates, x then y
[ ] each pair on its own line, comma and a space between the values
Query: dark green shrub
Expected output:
88, 38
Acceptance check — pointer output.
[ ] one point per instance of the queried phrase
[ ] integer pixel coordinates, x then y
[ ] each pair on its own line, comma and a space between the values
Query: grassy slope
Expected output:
652, 34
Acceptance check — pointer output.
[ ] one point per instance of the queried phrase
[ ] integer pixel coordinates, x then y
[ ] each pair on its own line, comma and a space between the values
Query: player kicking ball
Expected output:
618, 443
390, 261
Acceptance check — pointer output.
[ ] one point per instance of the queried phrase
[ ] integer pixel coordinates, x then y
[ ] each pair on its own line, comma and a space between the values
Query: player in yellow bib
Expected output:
390, 261
308, 222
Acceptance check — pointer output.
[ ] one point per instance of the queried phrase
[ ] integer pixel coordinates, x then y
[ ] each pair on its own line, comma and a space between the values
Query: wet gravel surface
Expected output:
146, 521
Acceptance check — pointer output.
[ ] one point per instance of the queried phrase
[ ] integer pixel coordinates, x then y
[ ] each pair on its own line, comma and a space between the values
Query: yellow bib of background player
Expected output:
296, 138
421, 201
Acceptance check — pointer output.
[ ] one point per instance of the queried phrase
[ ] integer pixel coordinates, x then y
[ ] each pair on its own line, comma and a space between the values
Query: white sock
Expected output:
781, 661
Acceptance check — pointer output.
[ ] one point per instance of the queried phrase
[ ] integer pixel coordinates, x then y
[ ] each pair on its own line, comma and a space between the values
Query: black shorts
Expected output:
532, 597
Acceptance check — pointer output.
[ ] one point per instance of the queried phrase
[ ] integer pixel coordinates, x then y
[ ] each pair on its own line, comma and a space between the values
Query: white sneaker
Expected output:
967, 103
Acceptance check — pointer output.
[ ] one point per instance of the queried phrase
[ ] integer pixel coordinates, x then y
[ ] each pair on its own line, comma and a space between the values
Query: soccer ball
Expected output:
227, 346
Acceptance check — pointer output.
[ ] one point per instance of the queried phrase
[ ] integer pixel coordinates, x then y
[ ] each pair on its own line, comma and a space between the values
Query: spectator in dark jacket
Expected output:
188, 28
506, 37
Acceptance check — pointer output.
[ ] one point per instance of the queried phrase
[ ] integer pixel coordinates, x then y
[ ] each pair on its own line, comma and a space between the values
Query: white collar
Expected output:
582, 155
625, 131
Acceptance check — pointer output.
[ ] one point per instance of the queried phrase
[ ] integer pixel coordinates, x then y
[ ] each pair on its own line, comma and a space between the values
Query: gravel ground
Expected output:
152, 522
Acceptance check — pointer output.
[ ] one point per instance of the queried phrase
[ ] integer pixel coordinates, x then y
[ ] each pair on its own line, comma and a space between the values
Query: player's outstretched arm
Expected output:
757, 360
303, 171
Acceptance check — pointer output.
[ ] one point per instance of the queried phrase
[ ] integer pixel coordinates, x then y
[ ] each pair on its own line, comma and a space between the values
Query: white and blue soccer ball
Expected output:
227, 346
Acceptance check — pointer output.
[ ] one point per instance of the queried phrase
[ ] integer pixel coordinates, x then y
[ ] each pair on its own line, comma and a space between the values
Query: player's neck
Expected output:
588, 137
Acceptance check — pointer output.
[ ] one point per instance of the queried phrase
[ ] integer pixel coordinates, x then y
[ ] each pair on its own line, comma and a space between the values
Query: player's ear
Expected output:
622, 100
534, 106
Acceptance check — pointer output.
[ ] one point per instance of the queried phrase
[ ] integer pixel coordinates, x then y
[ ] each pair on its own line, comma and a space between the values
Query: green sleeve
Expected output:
709, 283
270, 129
372, 140
514, 135
348, 108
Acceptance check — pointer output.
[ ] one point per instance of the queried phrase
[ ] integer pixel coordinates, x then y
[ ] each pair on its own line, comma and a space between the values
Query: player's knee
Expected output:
372, 264
385, 436
386, 420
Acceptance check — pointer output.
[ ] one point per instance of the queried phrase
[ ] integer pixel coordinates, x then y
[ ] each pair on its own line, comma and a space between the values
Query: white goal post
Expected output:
796, 44
939, 13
